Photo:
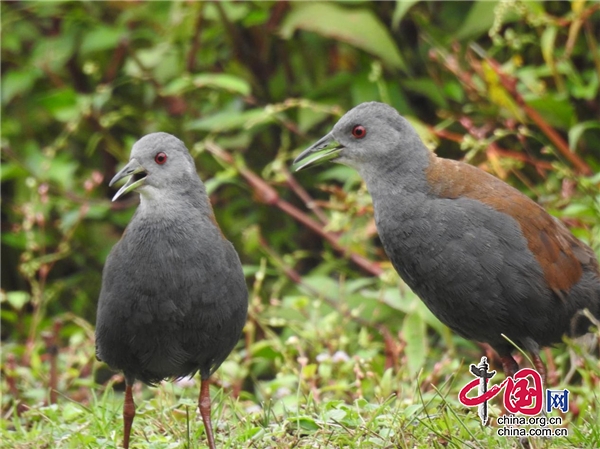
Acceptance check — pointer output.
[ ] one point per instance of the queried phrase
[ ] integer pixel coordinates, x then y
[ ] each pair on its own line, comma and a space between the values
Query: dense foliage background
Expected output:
337, 351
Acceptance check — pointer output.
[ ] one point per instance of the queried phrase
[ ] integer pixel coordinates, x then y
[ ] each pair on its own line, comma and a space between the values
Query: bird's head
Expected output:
159, 162
368, 136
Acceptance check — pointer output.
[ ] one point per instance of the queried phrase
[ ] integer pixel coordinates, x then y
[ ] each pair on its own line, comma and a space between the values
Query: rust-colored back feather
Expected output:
558, 252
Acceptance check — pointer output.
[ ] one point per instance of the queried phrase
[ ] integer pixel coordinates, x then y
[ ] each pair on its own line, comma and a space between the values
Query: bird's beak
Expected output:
325, 149
138, 176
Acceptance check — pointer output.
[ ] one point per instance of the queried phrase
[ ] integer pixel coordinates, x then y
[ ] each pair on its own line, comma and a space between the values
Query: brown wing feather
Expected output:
558, 252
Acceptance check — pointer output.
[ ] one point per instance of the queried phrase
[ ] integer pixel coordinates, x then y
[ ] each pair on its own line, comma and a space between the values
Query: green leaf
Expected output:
578, 210
52, 53
479, 20
177, 86
304, 422
555, 109
163, 60
11, 170
414, 334
211, 80
62, 104
223, 81
483, 14
343, 24
18, 82
547, 42
17, 299
428, 88
402, 7
577, 131
101, 38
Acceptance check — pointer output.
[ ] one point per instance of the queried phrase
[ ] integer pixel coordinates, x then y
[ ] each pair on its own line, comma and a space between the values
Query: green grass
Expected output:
294, 391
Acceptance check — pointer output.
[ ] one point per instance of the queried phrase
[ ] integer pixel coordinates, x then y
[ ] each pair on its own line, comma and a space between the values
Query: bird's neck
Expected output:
189, 198
403, 179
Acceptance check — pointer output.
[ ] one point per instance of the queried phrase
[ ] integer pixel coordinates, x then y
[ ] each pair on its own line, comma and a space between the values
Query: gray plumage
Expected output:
484, 258
173, 299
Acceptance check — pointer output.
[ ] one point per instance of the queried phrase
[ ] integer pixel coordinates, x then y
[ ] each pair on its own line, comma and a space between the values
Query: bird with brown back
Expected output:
487, 260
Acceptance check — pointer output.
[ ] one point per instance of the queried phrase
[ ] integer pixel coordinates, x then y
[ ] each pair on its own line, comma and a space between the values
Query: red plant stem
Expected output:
538, 164
269, 195
10, 370
305, 197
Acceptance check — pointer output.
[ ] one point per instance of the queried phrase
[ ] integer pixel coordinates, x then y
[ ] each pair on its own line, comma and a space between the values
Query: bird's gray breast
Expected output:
469, 263
178, 264
173, 298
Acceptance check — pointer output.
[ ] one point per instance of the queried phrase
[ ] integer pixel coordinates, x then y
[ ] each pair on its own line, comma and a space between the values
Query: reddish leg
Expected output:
204, 405
539, 366
509, 365
128, 414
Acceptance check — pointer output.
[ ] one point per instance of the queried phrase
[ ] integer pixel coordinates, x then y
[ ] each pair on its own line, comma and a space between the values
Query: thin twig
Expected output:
269, 195
117, 60
309, 202
540, 165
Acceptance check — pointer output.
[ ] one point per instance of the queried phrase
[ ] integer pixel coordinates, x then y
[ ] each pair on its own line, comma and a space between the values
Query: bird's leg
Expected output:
204, 405
509, 365
539, 366
128, 414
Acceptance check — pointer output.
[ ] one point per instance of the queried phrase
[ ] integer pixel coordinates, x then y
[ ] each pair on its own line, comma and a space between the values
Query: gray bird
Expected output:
174, 298
483, 257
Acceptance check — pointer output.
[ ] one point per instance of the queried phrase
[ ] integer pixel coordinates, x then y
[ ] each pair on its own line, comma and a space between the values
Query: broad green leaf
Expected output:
101, 38
223, 81
303, 422
62, 104
18, 82
52, 53
577, 210
18, 299
177, 86
212, 80
11, 170
307, 118
163, 60
428, 88
479, 20
357, 27
234, 11
556, 110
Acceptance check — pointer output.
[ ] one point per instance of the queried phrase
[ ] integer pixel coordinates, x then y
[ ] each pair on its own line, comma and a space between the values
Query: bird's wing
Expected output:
560, 255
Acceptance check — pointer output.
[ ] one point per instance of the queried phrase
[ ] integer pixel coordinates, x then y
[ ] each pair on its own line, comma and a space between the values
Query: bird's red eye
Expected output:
359, 131
160, 158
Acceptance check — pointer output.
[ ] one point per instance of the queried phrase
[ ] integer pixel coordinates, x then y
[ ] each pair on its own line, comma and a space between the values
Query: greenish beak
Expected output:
325, 149
137, 175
